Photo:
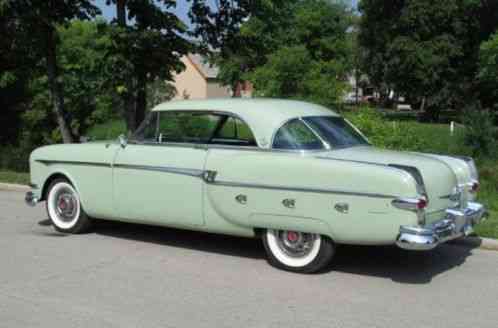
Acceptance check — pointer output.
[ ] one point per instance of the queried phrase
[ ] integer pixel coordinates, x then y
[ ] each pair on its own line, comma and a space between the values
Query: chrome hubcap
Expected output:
296, 244
65, 205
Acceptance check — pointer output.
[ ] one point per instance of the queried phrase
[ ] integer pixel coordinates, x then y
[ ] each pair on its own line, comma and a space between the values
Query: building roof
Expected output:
207, 70
263, 115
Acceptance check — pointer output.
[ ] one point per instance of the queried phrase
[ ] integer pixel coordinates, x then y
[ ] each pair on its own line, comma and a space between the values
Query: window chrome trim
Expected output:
198, 112
299, 118
225, 147
325, 144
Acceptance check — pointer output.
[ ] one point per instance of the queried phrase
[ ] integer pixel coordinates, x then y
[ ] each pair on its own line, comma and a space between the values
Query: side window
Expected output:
296, 135
185, 127
234, 132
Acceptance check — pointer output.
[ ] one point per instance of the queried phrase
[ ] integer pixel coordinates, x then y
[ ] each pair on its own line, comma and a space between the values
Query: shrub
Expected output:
14, 158
387, 134
480, 133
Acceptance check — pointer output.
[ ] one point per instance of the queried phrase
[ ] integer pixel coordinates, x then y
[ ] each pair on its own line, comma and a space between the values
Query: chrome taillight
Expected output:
412, 204
474, 186
422, 203
416, 205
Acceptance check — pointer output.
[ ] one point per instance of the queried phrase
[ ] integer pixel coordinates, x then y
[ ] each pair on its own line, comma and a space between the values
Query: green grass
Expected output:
488, 195
438, 137
14, 177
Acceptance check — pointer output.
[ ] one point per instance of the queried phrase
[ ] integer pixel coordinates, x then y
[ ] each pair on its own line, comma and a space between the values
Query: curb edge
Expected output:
13, 187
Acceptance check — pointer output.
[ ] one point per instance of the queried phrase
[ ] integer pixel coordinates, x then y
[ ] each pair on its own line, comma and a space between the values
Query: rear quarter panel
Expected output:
370, 219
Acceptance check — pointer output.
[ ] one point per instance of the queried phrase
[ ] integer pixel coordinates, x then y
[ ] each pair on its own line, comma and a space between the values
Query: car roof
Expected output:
263, 115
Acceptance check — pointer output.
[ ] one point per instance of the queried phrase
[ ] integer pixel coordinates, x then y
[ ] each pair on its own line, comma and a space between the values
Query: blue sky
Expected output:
181, 10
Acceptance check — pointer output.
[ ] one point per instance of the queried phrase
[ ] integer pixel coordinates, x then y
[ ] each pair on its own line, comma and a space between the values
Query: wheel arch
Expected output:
263, 222
53, 176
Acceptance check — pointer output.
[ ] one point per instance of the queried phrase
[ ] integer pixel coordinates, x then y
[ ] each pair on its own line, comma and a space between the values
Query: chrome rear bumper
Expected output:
457, 223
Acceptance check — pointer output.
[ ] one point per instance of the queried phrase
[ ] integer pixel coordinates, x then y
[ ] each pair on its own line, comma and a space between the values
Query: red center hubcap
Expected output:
292, 236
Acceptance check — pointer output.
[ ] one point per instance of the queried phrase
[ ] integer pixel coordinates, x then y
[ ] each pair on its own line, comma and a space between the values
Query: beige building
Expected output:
198, 80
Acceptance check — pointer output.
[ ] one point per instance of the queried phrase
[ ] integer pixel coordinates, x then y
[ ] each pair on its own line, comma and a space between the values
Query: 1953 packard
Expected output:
296, 174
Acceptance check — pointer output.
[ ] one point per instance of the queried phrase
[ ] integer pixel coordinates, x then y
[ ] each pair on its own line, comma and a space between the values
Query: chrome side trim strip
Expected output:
299, 189
202, 175
386, 166
48, 162
354, 161
175, 170
167, 169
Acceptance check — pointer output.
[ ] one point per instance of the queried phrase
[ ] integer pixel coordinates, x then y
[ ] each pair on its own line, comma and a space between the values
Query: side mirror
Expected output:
123, 141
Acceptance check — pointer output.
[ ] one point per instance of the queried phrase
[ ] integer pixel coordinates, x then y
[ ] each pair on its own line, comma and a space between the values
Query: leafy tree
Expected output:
425, 50
142, 51
312, 55
238, 35
488, 71
293, 48
81, 60
17, 61
291, 72
41, 18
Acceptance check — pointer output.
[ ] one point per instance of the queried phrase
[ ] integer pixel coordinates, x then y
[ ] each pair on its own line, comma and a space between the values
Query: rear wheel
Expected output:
298, 251
64, 208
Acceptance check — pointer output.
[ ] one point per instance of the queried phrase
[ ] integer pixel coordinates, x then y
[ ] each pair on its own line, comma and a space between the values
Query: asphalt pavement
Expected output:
124, 275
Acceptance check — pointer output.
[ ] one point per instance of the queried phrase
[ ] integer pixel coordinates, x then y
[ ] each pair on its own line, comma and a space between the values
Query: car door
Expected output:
158, 174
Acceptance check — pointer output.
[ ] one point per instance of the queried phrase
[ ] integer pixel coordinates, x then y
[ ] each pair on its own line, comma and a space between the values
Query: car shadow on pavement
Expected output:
194, 240
408, 267
379, 261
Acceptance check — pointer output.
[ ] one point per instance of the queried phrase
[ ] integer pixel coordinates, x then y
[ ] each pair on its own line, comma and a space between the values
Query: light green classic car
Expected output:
296, 174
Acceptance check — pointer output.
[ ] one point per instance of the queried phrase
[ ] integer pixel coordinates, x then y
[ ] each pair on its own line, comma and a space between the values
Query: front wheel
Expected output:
64, 208
298, 251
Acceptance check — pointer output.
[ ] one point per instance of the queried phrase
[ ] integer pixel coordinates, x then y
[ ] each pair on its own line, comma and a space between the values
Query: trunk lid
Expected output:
439, 178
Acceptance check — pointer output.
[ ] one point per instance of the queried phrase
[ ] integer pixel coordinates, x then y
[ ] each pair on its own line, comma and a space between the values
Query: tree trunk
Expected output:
121, 12
141, 99
356, 89
55, 87
236, 92
130, 113
129, 108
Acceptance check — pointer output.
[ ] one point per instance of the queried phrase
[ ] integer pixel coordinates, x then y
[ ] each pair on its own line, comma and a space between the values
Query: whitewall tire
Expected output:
64, 208
297, 251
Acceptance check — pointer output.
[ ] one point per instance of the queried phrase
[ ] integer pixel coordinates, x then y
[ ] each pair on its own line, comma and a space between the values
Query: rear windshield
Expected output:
316, 133
336, 131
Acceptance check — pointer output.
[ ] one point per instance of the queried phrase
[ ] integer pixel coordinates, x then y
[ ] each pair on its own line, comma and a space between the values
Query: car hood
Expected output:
439, 177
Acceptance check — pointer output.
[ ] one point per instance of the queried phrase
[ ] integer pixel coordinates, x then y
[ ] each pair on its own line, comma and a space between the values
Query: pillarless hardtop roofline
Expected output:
264, 116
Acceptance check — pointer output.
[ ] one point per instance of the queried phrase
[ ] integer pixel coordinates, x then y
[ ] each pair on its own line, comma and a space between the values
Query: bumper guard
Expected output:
457, 223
